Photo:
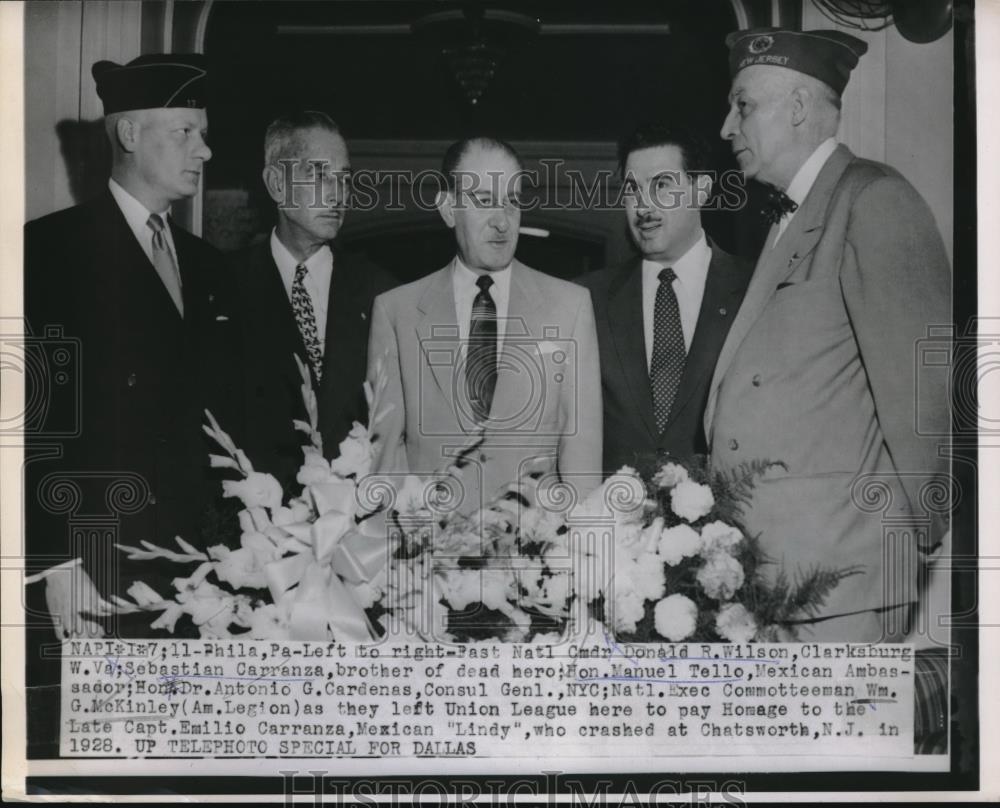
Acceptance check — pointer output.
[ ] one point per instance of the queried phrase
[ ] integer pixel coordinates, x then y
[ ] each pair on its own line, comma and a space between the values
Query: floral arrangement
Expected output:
355, 556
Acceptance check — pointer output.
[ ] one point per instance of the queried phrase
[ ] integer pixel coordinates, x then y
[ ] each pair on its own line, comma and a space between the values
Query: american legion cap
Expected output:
829, 56
152, 81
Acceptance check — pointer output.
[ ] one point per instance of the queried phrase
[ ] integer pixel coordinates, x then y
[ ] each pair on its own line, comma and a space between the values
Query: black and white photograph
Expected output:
498, 400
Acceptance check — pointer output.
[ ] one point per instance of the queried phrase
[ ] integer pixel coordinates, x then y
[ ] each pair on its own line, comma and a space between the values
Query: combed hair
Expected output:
281, 140
457, 150
696, 151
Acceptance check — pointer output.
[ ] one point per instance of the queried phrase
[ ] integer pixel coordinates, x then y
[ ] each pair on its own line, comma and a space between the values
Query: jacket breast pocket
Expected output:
807, 290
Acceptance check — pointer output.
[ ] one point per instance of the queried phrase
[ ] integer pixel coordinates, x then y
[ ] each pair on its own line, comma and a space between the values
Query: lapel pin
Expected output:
723, 311
211, 298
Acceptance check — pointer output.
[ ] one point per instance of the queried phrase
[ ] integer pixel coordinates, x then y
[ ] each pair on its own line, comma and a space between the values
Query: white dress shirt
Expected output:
804, 179
319, 275
463, 282
137, 216
689, 287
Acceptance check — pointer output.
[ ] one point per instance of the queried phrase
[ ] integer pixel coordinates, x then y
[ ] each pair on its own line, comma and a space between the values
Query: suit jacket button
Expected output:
734, 444
756, 380
131, 380
152, 499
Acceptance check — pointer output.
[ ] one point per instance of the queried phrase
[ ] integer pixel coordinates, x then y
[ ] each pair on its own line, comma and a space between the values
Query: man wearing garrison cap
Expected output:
819, 369
145, 304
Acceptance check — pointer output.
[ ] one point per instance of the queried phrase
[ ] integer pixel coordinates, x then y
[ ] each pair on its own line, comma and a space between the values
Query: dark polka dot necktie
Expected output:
306, 318
481, 364
667, 363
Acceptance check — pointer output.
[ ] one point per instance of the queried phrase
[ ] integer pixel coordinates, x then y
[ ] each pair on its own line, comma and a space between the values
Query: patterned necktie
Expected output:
481, 365
164, 263
667, 363
777, 206
304, 316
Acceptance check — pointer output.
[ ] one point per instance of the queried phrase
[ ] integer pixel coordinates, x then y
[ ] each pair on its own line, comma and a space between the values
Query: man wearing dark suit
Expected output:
301, 296
662, 317
142, 308
149, 305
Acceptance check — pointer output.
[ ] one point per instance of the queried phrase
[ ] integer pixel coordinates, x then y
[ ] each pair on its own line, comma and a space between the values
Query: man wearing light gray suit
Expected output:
820, 368
487, 347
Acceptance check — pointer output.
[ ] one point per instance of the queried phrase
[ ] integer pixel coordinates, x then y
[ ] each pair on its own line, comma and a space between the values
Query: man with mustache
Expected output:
144, 341
662, 316
300, 295
487, 349
820, 369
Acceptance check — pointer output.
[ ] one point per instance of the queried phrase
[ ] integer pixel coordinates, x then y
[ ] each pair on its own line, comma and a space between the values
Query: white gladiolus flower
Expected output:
258, 490
314, 470
356, 454
240, 568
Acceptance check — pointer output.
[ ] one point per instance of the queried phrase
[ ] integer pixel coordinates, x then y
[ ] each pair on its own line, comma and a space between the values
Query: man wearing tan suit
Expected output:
489, 347
820, 368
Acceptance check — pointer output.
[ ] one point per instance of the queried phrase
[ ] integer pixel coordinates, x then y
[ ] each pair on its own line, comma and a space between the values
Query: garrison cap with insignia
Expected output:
152, 81
829, 56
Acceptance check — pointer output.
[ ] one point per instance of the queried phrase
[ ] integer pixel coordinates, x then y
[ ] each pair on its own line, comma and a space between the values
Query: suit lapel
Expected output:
718, 307
135, 271
272, 318
340, 314
625, 321
798, 240
522, 329
437, 330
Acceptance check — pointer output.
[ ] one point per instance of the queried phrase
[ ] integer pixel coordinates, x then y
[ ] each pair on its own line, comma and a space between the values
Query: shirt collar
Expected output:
135, 213
804, 178
466, 277
288, 262
690, 268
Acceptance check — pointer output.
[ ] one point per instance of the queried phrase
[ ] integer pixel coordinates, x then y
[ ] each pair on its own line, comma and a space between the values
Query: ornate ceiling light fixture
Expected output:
474, 43
917, 20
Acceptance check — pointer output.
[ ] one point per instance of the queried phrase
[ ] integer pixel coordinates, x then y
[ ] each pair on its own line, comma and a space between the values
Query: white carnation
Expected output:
678, 543
719, 537
669, 475
648, 576
721, 576
735, 623
629, 609
691, 501
675, 617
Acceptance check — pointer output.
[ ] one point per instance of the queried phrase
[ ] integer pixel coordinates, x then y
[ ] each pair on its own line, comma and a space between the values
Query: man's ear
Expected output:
127, 134
274, 182
702, 189
801, 99
446, 207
